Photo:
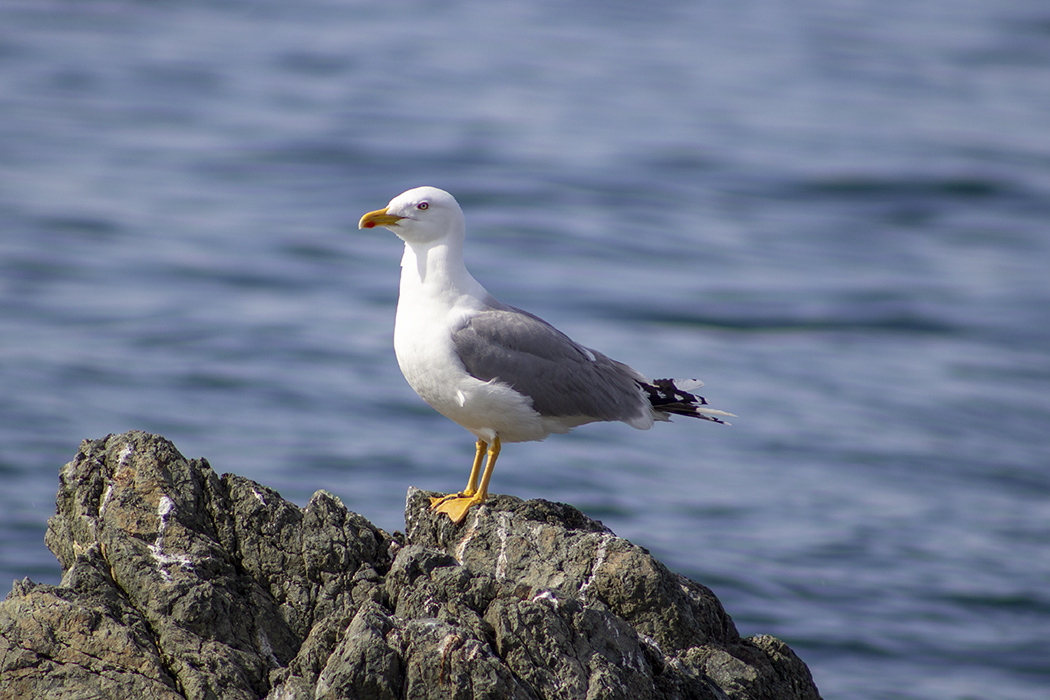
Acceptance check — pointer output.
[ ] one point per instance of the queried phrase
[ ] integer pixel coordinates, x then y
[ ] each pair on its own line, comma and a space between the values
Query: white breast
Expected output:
428, 359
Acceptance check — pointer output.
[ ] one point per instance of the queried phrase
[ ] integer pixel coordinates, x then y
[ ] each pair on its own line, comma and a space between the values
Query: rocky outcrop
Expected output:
180, 583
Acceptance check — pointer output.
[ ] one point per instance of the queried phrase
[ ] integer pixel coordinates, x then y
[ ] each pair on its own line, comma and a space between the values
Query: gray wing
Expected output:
561, 377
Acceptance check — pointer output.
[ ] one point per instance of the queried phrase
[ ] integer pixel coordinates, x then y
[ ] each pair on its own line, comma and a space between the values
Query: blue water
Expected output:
837, 214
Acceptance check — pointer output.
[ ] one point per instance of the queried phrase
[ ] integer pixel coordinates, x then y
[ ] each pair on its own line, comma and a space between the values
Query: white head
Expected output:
424, 215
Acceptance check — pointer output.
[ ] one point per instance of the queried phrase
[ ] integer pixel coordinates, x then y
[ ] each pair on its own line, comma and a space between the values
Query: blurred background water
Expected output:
835, 213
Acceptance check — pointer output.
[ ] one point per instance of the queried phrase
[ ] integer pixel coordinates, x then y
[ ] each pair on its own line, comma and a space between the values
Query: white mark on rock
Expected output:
461, 548
259, 496
122, 458
501, 558
445, 641
599, 559
105, 500
428, 622
165, 508
547, 596
649, 641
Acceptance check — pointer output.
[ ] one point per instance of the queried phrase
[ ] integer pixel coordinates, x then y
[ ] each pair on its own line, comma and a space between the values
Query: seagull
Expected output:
502, 373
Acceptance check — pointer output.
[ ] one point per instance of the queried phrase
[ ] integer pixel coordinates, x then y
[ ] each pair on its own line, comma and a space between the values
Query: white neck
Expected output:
437, 271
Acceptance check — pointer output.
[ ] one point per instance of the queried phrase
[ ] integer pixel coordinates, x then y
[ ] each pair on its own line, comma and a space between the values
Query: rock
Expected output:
179, 583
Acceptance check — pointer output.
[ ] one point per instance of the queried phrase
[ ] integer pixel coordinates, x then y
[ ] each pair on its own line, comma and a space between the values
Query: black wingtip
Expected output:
666, 397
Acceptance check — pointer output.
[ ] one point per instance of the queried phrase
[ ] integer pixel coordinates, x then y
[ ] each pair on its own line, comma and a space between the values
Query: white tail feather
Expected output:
688, 384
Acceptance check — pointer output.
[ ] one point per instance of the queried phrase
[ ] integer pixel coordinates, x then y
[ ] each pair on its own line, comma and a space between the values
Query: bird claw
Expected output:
454, 505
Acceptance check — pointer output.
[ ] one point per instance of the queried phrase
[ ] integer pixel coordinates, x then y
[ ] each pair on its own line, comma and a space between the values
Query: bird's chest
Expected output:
426, 355
430, 363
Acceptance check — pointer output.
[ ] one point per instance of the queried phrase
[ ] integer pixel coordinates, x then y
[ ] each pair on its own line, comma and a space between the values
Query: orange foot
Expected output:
456, 505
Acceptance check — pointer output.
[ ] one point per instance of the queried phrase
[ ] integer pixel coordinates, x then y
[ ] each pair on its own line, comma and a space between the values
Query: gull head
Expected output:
422, 215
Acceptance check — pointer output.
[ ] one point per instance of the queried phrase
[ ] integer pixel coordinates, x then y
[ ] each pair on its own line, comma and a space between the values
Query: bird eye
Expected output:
422, 206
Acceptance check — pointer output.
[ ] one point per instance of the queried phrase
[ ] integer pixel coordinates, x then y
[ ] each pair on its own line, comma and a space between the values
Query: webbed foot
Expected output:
455, 505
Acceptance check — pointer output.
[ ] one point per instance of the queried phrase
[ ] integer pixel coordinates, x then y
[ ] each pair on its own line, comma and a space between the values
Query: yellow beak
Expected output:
379, 217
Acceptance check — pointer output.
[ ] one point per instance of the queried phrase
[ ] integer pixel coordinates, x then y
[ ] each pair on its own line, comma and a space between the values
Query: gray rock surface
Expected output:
180, 583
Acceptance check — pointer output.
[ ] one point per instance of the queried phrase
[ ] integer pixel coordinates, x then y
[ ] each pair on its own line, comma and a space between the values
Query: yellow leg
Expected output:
483, 490
456, 505
475, 471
